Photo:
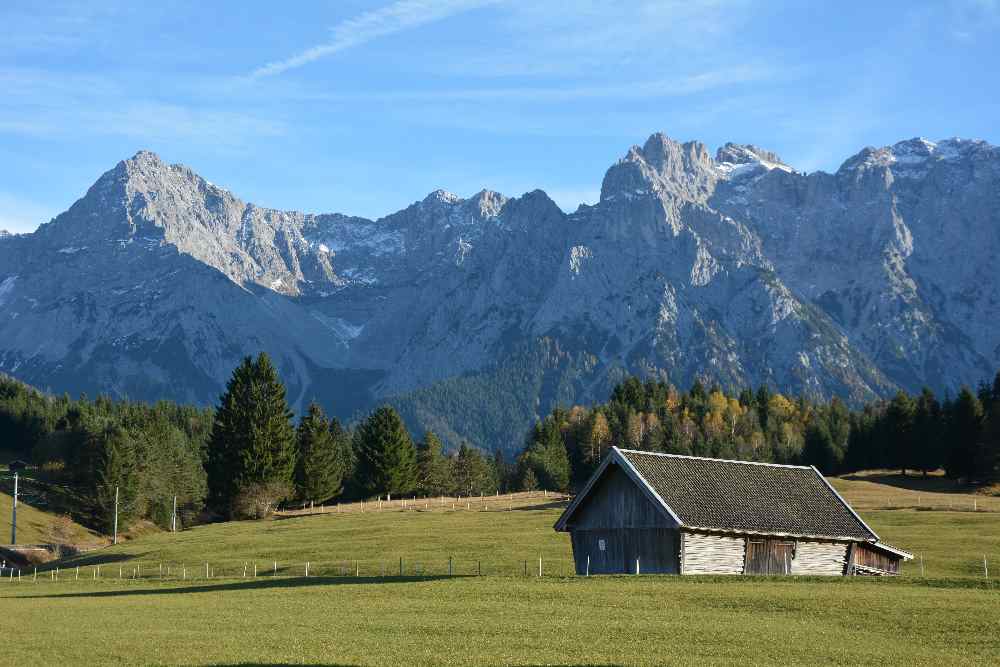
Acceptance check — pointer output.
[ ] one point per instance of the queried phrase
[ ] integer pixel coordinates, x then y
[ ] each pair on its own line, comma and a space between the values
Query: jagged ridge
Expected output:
736, 269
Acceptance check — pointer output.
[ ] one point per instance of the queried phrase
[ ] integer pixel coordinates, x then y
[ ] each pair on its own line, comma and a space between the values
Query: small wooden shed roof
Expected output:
744, 497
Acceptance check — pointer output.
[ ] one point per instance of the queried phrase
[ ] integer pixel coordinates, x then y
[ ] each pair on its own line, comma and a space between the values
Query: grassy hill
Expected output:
948, 616
35, 526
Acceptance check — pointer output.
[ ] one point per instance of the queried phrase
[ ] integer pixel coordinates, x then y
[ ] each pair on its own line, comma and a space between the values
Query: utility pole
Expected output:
116, 516
13, 516
173, 518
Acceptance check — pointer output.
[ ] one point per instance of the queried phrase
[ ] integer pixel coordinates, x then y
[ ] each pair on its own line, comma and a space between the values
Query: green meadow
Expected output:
347, 613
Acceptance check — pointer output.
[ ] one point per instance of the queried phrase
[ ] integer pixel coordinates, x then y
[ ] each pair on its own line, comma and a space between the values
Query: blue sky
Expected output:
364, 107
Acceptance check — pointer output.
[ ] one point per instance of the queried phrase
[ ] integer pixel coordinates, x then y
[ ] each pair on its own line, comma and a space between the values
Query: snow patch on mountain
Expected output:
578, 254
344, 330
6, 287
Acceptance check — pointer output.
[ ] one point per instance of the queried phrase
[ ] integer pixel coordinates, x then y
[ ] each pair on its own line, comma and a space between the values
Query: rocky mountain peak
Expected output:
488, 203
912, 155
661, 166
441, 197
745, 154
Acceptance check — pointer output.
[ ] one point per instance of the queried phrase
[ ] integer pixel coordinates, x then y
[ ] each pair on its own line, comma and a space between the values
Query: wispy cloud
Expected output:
972, 18
640, 89
56, 105
397, 17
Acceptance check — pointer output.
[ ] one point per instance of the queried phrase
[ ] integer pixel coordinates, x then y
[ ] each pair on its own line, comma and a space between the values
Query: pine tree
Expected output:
471, 472
253, 441
344, 454
988, 454
434, 470
928, 432
502, 472
387, 459
899, 417
546, 456
319, 472
114, 472
819, 448
965, 426
529, 482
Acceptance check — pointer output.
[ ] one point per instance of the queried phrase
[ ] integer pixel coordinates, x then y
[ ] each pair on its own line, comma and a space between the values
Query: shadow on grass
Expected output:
91, 559
552, 504
930, 484
180, 587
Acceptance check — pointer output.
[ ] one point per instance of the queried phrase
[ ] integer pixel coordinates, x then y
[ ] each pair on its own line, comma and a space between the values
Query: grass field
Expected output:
950, 616
504, 620
34, 526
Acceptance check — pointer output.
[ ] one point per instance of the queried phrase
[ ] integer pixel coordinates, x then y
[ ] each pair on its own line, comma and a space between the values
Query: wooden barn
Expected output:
643, 512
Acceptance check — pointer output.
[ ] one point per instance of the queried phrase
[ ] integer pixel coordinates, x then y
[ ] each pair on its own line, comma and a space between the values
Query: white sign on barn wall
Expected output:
600, 545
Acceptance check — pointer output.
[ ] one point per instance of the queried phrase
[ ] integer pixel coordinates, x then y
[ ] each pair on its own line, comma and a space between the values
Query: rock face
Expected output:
476, 315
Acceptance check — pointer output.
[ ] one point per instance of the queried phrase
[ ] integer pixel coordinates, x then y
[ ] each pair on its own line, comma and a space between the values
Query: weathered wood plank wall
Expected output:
865, 557
618, 502
619, 517
819, 558
713, 554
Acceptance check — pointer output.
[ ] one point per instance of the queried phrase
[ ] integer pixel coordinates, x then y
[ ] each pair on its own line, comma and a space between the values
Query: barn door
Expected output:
769, 556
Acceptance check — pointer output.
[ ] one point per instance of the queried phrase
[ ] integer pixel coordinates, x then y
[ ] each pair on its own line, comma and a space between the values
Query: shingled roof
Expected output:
740, 496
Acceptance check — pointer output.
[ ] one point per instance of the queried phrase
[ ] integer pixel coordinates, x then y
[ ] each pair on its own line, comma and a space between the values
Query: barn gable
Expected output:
620, 527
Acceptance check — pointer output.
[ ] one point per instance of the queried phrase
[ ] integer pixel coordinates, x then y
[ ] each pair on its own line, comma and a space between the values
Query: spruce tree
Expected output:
344, 454
965, 426
987, 461
928, 432
899, 417
319, 472
472, 472
253, 444
434, 470
387, 459
819, 449
546, 456
529, 482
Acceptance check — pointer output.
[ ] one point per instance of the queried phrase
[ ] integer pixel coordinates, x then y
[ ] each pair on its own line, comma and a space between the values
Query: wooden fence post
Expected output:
539, 566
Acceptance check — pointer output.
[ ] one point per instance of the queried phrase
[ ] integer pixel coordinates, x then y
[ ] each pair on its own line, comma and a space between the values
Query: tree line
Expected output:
241, 460
248, 456
919, 433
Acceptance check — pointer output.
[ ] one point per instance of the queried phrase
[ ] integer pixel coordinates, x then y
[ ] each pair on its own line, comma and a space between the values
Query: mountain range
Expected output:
476, 315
